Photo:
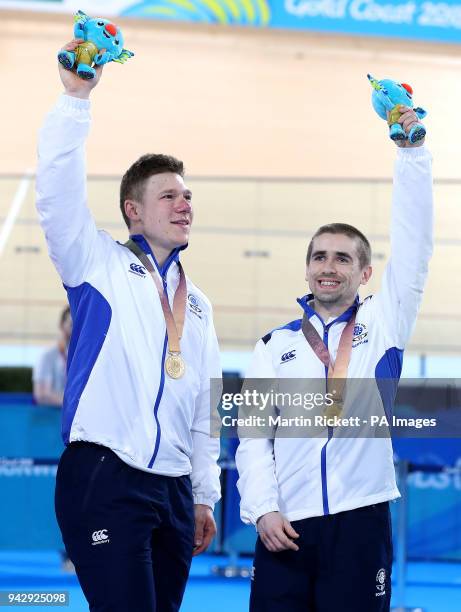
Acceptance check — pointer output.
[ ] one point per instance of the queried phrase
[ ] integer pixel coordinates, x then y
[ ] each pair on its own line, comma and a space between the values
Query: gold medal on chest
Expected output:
334, 410
175, 365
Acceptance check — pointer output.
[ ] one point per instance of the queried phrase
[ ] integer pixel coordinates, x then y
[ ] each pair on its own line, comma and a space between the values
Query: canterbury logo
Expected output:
137, 269
100, 537
288, 356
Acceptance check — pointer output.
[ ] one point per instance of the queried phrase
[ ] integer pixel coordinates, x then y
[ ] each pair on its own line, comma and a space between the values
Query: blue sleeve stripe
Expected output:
91, 317
387, 374
293, 325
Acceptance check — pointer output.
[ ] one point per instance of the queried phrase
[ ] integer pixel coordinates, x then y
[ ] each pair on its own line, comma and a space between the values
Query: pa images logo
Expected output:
360, 335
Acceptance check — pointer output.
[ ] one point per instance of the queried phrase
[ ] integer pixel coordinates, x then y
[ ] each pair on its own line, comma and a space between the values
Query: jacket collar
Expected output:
310, 312
173, 256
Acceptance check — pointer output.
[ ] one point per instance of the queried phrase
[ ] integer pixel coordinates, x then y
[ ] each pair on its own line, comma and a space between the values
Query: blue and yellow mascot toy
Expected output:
103, 42
386, 97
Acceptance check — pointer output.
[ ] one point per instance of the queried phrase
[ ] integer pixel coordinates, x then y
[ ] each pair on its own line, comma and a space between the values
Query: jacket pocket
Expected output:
91, 481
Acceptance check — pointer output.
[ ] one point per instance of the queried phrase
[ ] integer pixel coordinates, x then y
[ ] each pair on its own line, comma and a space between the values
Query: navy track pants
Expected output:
129, 533
344, 563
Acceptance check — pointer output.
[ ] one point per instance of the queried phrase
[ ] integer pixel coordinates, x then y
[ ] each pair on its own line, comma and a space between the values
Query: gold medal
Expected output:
334, 410
174, 365
174, 321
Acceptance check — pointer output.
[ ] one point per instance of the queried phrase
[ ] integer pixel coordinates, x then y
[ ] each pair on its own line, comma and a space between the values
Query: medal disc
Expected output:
174, 365
334, 410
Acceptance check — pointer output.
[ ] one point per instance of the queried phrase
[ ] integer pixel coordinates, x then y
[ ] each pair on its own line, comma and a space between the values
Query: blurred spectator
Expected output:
49, 376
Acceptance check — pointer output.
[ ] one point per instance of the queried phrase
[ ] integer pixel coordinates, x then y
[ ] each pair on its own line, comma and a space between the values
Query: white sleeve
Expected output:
206, 487
257, 483
411, 243
69, 228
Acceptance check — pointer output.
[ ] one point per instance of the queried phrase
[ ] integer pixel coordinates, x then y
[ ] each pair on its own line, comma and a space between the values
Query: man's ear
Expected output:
132, 209
366, 275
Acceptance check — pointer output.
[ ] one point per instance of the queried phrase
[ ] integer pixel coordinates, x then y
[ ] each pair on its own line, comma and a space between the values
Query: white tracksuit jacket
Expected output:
305, 477
117, 392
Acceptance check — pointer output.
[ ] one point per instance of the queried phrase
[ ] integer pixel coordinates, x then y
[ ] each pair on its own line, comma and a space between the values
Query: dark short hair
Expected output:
134, 179
64, 314
363, 246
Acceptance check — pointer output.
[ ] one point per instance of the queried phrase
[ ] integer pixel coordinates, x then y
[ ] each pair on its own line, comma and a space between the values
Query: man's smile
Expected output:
327, 283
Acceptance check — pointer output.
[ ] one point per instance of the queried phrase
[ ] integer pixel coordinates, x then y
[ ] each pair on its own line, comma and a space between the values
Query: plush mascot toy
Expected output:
387, 96
103, 42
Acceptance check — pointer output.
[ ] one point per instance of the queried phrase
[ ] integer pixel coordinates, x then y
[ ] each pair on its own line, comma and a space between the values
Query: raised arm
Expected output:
69, 228
411, 240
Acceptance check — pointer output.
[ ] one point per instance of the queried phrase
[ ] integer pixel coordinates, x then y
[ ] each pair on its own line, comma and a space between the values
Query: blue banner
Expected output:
434, 502
30, 446
438, 21
411, 19
414, 19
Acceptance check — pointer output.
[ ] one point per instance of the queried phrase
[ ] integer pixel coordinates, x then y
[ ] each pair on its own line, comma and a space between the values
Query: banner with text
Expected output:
413, 19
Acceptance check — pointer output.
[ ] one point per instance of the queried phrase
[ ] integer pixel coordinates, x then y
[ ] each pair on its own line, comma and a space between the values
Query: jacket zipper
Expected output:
163, 271
160, 390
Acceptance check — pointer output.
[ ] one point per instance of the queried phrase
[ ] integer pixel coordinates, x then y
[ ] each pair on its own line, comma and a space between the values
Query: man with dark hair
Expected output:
361, 242
138, 481
320, 503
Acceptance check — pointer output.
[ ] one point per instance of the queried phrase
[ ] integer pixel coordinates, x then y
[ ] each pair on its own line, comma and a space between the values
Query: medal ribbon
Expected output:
174, 320
337, 372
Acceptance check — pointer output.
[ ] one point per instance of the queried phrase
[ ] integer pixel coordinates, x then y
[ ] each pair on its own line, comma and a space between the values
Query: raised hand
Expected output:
408, 119
73, 85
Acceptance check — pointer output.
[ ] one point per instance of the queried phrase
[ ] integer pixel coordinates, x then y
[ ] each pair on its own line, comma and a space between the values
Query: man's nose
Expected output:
329, 266
183, 204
